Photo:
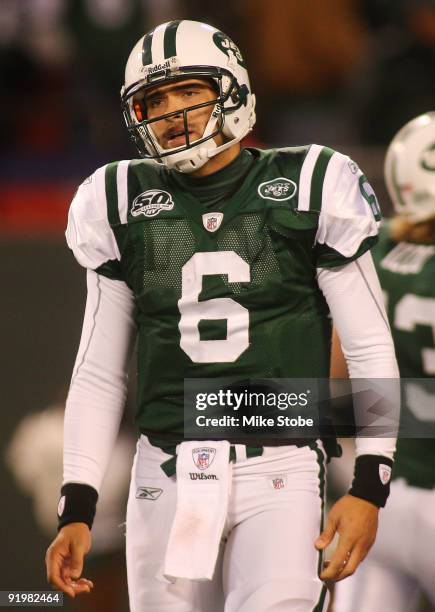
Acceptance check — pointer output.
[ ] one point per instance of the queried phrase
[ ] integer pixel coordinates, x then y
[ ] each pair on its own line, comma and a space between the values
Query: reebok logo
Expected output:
151, 493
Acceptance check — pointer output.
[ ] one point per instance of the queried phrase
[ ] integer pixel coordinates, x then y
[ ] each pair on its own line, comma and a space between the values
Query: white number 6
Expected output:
193, 311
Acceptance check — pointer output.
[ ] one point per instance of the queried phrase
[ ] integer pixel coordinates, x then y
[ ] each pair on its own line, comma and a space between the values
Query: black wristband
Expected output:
77, 504
371, 479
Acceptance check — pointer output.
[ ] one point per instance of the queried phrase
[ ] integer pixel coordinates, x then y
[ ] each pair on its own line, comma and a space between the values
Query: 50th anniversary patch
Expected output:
151, 202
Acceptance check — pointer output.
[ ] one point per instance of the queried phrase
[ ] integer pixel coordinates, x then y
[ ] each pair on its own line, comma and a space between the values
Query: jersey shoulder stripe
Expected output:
312, 176
116, 186
318, 178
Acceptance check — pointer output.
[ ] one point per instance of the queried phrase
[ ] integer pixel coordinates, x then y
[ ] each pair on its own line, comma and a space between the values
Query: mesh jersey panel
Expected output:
167, 246
251, 239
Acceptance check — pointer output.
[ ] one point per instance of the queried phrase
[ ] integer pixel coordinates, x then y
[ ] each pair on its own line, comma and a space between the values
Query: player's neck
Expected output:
219, 161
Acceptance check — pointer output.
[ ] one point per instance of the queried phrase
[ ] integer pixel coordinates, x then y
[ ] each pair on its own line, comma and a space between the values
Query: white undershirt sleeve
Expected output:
354, 297
98, 388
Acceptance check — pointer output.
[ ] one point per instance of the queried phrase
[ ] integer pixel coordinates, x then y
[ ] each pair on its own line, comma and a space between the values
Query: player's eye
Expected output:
154, 102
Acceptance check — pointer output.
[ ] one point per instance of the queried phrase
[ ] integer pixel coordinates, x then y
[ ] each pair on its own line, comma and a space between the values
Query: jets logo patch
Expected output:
151, 493
203, 457
212, 221
150, 203
384, 473
278, 189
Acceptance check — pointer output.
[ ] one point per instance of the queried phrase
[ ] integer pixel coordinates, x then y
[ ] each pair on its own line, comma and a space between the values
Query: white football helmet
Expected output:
410, 169
189, 49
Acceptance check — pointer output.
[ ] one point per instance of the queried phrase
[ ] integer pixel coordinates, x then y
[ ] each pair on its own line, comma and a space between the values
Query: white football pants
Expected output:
267, 560
402, 560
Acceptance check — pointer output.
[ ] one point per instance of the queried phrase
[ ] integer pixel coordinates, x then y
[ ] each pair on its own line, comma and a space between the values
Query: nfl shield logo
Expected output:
203, 457
211, 224
278, 483
212, 221
384, 473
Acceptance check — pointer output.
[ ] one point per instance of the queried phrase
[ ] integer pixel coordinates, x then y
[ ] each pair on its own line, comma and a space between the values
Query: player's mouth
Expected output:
176, 137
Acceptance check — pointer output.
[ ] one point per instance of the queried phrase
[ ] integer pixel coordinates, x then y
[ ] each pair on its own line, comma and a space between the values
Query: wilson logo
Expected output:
202, 476
150, 203
278, 189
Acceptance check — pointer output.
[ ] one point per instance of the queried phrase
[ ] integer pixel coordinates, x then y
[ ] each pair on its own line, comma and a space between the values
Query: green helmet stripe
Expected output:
147, 57
169, 45
395, 184
318, 177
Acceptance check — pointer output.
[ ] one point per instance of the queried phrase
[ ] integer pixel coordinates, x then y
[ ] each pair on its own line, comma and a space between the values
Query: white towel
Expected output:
203, 486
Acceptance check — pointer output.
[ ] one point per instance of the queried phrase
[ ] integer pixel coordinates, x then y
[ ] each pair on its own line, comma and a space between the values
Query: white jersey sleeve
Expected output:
349, 215
354, 297
98, 388
88, 233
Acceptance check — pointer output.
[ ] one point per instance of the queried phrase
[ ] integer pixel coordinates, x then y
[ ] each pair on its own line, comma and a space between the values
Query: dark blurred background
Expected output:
343, 73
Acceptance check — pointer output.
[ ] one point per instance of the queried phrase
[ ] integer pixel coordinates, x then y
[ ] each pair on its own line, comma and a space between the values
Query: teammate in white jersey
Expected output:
225, 262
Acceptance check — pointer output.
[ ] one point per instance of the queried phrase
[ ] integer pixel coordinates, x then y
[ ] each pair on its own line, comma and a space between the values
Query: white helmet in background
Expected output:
410, 169
189, 49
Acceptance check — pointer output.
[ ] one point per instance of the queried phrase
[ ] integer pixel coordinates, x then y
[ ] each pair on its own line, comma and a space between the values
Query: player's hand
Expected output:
64, 559
356, 522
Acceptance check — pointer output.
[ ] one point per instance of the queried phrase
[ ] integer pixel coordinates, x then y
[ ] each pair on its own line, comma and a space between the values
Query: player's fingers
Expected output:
82, 586
326, 536
54, 562
76, 561
350, 565
339, 559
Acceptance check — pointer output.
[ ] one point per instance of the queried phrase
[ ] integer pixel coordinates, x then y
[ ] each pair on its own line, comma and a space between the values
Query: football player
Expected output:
400, 565
224, 262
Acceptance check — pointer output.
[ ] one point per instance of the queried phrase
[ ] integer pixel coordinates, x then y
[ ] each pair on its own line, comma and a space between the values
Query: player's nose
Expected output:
175, 105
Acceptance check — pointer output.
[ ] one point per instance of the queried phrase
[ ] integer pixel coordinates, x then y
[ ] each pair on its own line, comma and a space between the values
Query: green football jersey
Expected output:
407, 274
230, 292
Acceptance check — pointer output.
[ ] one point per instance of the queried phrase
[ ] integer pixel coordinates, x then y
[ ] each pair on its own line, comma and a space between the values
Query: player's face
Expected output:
160, 100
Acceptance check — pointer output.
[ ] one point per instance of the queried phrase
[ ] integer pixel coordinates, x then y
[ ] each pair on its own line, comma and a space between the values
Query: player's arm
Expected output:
98, 387
355, 300
93, 413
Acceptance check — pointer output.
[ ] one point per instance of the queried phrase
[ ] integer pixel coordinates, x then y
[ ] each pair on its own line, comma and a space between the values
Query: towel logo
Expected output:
203, 457
152, 493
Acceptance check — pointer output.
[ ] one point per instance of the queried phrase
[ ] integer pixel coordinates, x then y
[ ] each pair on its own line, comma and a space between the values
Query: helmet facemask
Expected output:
229, 98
